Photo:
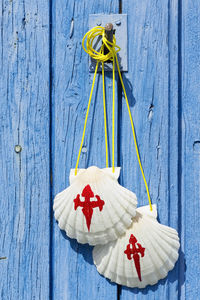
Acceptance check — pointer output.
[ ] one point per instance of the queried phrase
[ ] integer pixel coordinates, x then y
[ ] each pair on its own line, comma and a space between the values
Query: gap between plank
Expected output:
50, 155
181, 266
119, 119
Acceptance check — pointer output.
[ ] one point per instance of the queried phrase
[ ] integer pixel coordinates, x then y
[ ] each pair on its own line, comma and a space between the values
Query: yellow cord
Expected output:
113, 119
134, 136
104, 110
100, 56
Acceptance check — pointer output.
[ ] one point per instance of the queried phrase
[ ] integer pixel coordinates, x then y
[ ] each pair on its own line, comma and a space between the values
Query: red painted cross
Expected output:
133, 250
88, 205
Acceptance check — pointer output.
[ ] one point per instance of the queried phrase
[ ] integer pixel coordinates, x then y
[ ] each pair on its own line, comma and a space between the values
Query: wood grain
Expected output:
44, 86
152, 84
189, 136
24, 176
74, 274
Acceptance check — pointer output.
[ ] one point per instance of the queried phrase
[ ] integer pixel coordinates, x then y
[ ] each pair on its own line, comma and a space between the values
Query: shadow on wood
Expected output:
84, 249
129, 90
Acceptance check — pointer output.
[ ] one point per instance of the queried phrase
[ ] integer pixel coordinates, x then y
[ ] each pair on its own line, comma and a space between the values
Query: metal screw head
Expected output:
118, 22
84, 150
92, 68
18, 148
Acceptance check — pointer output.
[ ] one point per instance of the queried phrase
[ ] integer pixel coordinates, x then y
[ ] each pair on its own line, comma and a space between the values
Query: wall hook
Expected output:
114, 24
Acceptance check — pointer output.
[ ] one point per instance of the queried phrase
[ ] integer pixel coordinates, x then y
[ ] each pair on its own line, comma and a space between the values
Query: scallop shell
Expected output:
143, 255
95, 208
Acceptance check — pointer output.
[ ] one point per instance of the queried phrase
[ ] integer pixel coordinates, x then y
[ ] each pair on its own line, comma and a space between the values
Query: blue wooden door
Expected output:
44, 89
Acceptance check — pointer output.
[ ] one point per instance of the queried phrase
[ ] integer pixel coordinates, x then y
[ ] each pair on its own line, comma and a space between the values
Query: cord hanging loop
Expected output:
102, 56
88, 40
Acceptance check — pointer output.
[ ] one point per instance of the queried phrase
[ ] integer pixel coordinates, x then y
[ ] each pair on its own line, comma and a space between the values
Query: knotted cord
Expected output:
99, 56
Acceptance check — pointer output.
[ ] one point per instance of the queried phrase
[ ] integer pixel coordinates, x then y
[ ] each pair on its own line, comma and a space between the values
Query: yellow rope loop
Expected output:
112, 48
89, 39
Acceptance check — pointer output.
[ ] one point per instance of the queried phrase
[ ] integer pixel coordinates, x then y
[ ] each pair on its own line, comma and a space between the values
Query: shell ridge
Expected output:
106, 261
60, 207
69, 208
161, 253
106, 225
154, 277
106, 211
169, 240
62, 219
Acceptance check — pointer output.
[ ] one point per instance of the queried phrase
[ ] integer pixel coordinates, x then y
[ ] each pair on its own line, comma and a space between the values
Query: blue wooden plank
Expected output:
190, 146
24, 176
152, 85
74, 275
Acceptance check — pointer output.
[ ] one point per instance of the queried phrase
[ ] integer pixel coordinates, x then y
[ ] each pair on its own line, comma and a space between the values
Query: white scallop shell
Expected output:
158, 252
109, 220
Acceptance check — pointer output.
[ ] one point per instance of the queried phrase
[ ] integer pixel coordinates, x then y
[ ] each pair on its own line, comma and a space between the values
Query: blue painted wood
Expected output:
163, 88
152, 84
189, 136
24, 176
74, 275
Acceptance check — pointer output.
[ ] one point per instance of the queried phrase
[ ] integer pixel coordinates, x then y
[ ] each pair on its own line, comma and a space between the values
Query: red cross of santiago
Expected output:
88, 205
133, 250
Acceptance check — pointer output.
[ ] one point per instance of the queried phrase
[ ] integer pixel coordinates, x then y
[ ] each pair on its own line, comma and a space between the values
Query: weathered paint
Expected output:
44, 84
74, 274
153, 86
189, 150
24, 175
